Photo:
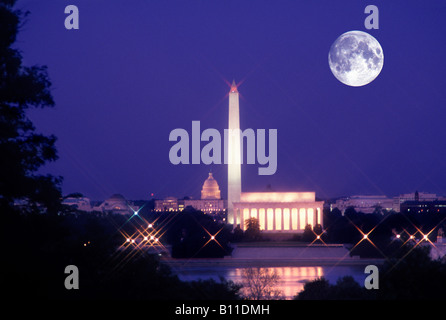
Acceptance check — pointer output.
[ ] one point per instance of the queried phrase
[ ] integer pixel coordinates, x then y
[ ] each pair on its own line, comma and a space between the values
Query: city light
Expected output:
317, 237
212, 237
365, 236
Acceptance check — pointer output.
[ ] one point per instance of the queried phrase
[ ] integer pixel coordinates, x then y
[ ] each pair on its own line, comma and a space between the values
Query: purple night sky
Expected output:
135, 70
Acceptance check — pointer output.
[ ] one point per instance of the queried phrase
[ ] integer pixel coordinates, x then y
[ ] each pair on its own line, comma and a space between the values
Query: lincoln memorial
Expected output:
279, 211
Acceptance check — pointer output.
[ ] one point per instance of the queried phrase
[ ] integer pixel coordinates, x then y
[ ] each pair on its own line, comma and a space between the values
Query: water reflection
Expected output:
292, 279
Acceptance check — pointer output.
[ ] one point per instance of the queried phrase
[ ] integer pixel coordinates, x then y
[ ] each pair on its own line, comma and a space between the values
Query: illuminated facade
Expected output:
169, 204
279, 211
365, 203
415, 196
207, 206
210, 189
234, 156
210, 201
370, 203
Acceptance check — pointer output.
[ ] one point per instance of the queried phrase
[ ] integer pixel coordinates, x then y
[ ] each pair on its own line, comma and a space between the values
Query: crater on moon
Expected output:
356, 58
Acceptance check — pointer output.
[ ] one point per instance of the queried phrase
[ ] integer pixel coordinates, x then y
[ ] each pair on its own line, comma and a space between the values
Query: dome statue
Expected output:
210, 188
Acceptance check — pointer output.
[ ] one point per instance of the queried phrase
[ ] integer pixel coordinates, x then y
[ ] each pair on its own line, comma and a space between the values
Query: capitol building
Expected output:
209, 203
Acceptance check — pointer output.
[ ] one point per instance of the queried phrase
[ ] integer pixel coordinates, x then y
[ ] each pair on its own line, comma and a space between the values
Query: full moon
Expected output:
356, 58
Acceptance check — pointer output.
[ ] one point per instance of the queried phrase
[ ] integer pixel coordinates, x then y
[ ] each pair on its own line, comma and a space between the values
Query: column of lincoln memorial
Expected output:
279, 211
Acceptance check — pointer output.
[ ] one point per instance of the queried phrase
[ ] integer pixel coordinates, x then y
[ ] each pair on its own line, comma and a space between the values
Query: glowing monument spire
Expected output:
234, 161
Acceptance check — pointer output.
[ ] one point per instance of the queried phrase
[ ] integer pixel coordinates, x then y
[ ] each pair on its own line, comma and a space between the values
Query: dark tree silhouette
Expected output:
23, 151
252, 232
346, 288
308, 235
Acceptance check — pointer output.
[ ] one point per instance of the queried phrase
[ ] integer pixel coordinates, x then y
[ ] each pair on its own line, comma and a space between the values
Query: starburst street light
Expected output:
146, 236
425, 237
318, 237
212, 237
366, 236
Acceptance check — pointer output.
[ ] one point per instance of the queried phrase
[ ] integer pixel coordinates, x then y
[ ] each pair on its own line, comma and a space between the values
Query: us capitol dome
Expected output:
210, 202
210, 188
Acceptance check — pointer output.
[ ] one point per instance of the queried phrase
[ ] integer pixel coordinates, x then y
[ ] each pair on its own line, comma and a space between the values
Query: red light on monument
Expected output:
233, 87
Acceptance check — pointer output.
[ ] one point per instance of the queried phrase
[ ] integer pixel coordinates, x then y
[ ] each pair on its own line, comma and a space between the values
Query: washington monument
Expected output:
234, 163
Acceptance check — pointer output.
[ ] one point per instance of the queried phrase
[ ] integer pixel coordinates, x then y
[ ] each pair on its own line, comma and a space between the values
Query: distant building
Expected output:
415, 196
435, 206
116, 204
169, 204
79, 203
210, 201
366, 203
